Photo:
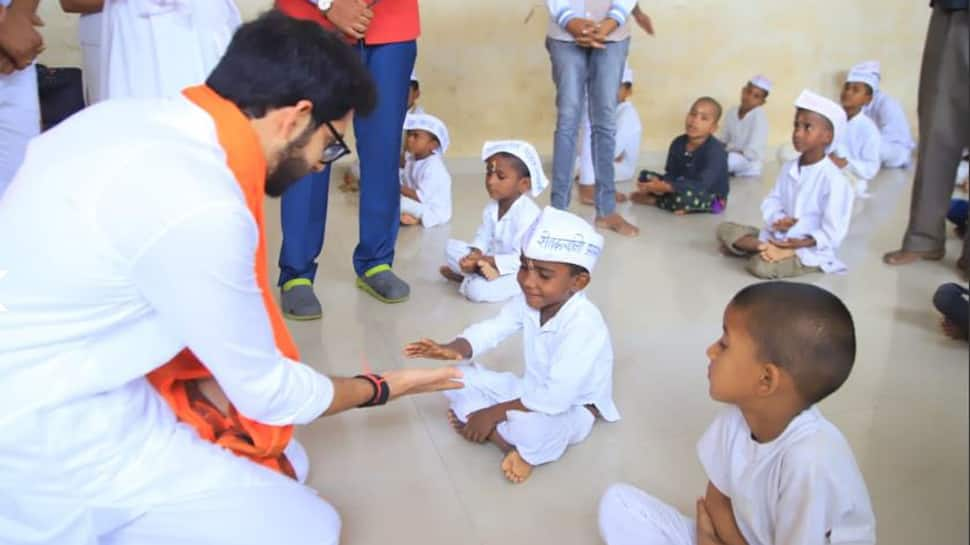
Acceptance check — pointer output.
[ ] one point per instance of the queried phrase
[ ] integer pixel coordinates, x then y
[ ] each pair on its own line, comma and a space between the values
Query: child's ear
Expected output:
580, 281
770, 379
525, 184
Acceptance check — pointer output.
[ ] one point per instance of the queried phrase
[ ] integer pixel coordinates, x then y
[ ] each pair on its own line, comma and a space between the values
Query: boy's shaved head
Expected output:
714, 104
803, 329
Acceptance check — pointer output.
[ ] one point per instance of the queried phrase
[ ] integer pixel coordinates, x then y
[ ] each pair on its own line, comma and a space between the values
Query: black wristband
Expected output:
381, 390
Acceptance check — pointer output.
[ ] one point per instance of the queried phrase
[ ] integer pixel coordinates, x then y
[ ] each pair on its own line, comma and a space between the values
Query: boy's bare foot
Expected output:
615, 222
487, 270
587, 194
449, 274
408, 219
680, 212
515, 468
641, 197
621, 197
456, 424
952, 330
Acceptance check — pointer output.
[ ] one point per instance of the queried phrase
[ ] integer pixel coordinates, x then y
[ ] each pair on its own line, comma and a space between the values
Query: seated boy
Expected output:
629, 131
486, 267
896, 145
746, 129
425, 182
951, 300
807, 214
778, 472
857, 149
568, 377
696, 174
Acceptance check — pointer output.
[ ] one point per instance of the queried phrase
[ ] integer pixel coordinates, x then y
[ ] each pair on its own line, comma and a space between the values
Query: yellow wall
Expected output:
485, 71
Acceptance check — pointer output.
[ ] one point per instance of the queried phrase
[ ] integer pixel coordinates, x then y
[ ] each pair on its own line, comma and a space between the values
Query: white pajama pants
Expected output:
630, 516
477, 288
739, 165
412, 207
19, 120
538, 437
895, 155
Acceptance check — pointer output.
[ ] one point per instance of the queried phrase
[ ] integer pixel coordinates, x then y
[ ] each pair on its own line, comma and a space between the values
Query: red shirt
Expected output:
394, 20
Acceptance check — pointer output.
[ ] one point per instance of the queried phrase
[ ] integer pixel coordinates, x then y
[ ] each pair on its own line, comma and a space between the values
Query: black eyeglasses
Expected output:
335, 150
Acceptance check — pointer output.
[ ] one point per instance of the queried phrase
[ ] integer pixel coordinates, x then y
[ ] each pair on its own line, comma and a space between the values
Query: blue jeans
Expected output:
304, 206
579, 72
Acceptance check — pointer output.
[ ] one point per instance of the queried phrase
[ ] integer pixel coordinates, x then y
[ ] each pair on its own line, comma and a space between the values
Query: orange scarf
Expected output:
176, 380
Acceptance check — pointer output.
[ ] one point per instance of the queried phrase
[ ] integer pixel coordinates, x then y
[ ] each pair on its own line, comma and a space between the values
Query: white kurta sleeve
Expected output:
561, 11
836, 214
620, 10
486, 335
198, 276
773, 208
865, 161
573, 365
483, 236
714, 449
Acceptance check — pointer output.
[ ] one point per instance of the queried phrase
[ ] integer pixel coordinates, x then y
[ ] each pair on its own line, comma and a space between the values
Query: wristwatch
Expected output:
324, 5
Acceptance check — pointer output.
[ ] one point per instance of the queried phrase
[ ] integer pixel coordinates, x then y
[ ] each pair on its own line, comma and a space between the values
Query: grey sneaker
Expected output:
385, 286
299, 302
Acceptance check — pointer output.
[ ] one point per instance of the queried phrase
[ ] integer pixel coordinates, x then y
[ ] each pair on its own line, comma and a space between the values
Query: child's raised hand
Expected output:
784, 224
469, 263
428, 349
486, 267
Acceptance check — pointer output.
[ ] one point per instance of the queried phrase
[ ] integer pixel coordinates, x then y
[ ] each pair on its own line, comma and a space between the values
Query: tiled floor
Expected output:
400, 475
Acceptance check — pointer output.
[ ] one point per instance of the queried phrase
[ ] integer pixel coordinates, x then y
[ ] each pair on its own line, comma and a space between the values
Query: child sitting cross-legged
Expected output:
778, 472
425, 181
486, 266
696, 174
567, 380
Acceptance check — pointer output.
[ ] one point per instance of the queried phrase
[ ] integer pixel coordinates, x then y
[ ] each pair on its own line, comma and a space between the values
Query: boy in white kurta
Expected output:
425, 181
568, 377
857, 149
807, 214
896, 146
746, 129
486, 267
778, 472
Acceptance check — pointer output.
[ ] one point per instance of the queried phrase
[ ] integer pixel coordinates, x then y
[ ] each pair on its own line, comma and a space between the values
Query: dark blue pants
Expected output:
304, 206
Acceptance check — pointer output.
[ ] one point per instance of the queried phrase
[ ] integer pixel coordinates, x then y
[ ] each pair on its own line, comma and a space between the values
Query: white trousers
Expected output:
412, 207
475, 287
894, 155
630, 516
739, 165
89, 36
19, 120
538, 437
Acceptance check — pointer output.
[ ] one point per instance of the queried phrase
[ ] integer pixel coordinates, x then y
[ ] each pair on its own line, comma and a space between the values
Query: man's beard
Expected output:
291, 167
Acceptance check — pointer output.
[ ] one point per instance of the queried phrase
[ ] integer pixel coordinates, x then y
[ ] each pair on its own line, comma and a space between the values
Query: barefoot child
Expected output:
568, 377
951, 300
857, 149
696, 175
778, 472
425, 183
896, 140
807, 214
746, 129
486, 267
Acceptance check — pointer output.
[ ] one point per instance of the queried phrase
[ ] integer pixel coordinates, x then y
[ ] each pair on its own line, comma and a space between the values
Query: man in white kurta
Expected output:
568, 360
19, 102
155, 48
428, 176
149, 248
804, 487
746, 137
500, 237
896, 146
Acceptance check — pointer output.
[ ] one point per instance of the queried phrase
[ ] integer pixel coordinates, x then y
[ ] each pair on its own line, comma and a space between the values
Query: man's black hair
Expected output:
275, 61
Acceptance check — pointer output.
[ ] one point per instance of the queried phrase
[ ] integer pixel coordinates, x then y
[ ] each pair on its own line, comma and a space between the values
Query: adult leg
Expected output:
605, 72
630, 516
569, 73
19, 120
944, 107
303, 213
379, 145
